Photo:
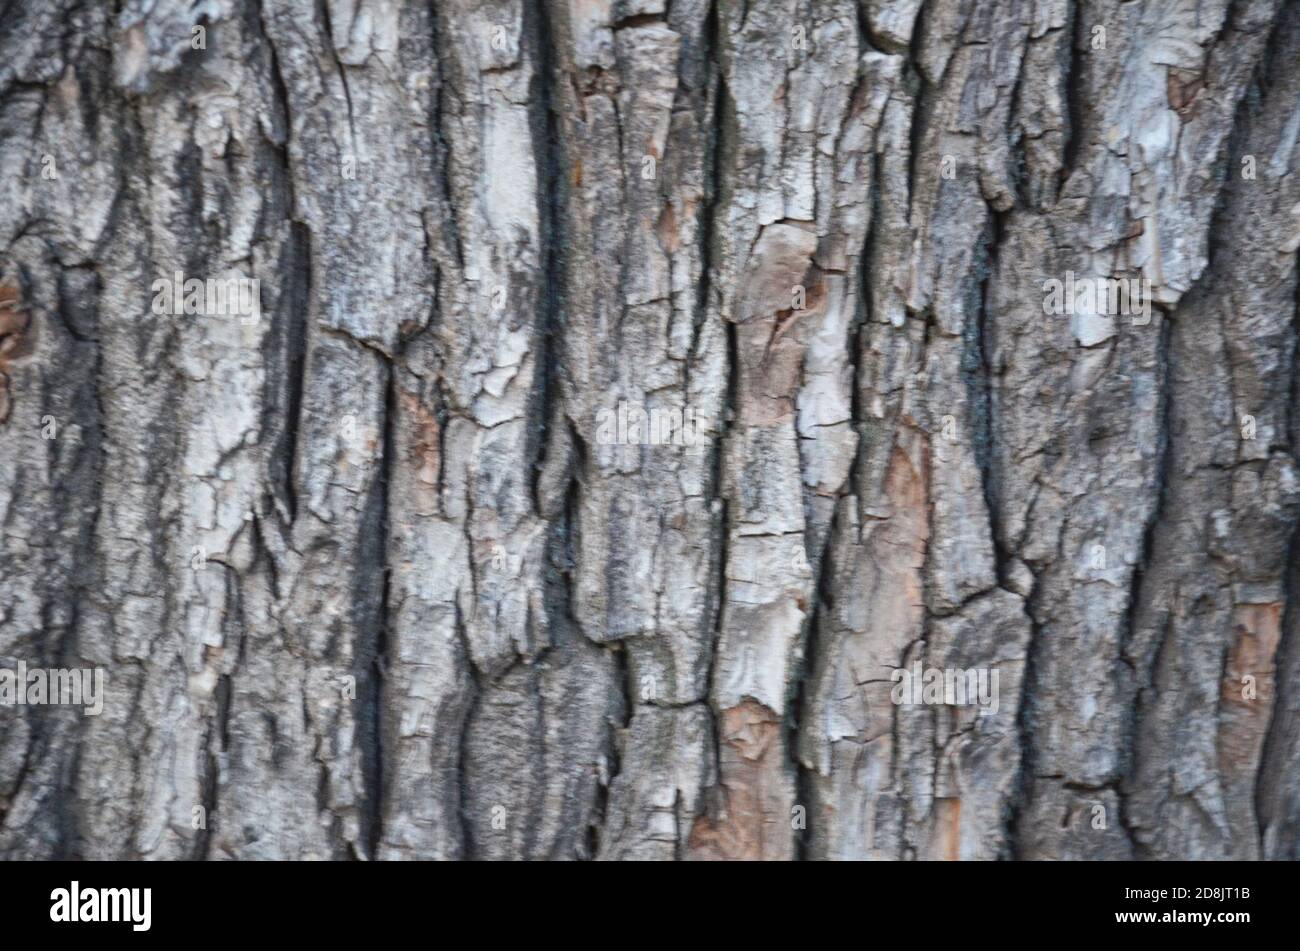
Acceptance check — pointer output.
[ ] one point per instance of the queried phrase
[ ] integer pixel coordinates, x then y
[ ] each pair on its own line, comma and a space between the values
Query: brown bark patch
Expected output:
750, 818
13, 328
666, 230
1258, 629
947, 829
1183, 85
425, 447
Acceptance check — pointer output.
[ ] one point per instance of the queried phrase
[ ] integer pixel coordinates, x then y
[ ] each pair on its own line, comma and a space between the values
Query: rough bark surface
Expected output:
364, 576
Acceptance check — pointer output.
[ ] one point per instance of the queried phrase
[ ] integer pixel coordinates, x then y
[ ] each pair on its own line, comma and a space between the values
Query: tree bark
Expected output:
375, 576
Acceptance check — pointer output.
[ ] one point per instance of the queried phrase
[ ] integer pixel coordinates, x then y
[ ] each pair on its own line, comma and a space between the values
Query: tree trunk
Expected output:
638, 386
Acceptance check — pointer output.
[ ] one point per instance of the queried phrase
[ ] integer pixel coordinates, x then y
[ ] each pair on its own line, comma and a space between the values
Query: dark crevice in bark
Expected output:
919, 86
861, 335
823, 603
719, 148
979, 378
372, 614
552, 200
441, 143
560, 595
218, 732
871, 40
287, 348
722, 547
286, 359
804, 788
280, 98
467, 720
327, 41
1074, 99
1018, 159
614, 762
1025, 727
723, 118
70, 844
637, 20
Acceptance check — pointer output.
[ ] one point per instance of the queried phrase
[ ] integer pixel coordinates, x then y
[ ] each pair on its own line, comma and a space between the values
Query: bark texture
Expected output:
367, 581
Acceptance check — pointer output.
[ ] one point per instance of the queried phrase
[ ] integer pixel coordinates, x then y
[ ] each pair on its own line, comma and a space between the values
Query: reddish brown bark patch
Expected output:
751, 815
13, 327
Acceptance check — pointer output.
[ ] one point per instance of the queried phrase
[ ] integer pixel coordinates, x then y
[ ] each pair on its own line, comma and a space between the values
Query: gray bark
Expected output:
367, 580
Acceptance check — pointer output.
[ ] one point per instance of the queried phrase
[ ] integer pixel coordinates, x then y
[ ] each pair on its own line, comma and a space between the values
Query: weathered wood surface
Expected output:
442, 617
